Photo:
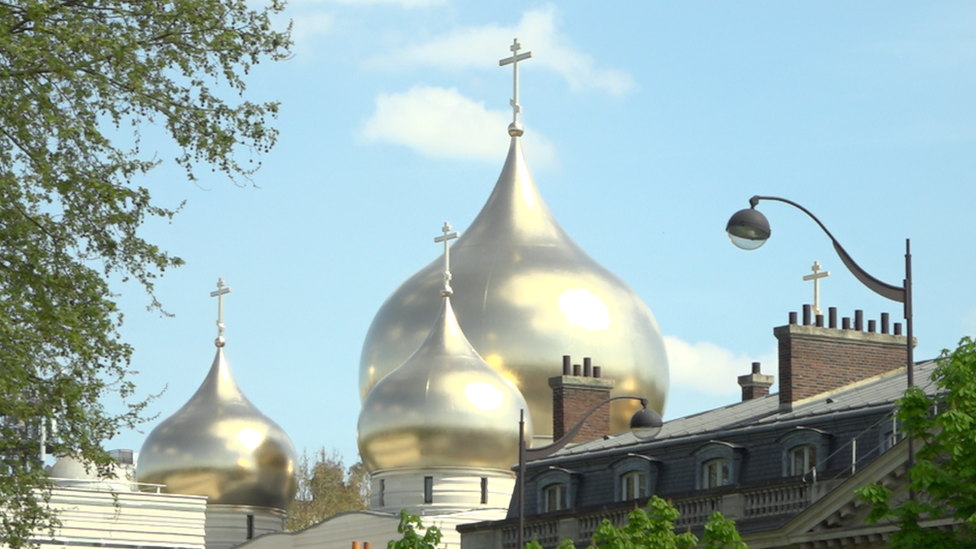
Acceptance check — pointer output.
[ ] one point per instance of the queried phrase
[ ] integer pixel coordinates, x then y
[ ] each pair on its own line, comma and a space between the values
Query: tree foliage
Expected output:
653, 528
325, 488
943, 477
415, 534
78, 77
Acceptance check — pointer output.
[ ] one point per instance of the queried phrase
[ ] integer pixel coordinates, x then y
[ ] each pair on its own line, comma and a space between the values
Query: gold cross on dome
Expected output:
514, 60
219, 293
815, 277
446, 238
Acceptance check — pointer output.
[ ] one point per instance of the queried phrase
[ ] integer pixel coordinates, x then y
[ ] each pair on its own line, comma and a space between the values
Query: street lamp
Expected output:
748, 229
645, 424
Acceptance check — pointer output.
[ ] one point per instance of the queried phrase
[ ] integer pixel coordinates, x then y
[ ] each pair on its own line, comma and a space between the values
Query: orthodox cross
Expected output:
446, 238
815, 277
219, 293
514, 60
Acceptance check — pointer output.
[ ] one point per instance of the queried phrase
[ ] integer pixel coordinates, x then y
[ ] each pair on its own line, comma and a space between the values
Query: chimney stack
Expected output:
574, 395
756, 384
814, 359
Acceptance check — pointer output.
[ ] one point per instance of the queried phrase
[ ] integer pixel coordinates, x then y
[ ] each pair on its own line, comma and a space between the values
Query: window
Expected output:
718, 463
804, 450
428, 489
802, 459
715, 473
484, 490
555, 497
633, 485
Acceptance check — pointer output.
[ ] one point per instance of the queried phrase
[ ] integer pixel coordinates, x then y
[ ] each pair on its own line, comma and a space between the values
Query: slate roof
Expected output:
875, 392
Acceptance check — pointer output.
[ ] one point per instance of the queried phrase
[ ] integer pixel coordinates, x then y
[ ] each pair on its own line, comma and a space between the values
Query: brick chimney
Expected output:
574, 394
814, 359
755, 385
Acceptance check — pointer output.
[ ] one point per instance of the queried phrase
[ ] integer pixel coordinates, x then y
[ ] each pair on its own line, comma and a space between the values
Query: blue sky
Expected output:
647, 125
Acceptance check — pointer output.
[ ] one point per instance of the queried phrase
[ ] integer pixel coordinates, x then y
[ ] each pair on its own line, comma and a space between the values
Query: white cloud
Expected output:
441, 122
706, 368
307, 27
478, 47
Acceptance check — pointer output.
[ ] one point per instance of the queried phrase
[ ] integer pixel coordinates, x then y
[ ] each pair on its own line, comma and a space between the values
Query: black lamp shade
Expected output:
748, 229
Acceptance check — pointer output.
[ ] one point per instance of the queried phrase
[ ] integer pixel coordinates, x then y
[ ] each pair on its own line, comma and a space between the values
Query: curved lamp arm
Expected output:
550, 449
894, 293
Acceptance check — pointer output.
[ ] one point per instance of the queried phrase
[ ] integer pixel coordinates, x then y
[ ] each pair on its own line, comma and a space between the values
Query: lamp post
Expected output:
646, 423
748, 229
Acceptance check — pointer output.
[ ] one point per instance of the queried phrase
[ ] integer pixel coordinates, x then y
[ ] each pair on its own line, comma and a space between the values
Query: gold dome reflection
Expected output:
483, 395
443, 407
525, 294
220, 446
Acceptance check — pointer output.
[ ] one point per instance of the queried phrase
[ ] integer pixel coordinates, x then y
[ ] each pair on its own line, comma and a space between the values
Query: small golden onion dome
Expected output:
526, 295
220, 446
443, 407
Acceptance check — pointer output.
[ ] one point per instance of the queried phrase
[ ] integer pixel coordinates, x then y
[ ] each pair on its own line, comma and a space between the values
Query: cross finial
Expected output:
815, 277
446, 238
219, 293
514, 60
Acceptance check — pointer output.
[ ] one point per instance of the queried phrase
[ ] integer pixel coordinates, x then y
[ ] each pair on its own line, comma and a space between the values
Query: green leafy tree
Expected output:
653, 528
77, 79
943, 477
415, 534
325, 488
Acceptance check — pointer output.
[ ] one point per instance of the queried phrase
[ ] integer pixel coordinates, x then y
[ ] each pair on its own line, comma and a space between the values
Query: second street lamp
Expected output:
645, 423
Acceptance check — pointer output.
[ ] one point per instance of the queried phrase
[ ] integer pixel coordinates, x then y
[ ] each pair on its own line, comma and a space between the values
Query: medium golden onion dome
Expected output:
220, 446
443, 407
526, 295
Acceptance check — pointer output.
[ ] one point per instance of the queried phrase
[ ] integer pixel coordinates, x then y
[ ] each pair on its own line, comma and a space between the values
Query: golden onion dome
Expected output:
526, 295
221, 446
443, 407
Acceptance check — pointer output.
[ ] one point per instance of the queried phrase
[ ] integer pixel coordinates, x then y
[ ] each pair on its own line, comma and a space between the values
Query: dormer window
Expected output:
802, 458
716, 472
804, 450
718, 464
554, 497
633, 485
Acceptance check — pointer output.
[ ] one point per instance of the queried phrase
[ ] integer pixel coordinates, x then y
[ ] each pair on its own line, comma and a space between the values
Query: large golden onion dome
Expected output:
526, 295
220, 446
443, 407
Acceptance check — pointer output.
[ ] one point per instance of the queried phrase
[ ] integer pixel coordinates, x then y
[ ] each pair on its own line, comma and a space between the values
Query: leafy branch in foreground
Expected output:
74, 76
943, 477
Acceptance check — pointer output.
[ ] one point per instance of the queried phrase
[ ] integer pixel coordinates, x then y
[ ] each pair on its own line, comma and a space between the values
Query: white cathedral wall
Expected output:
123, 519
453, 489
230, 525
375, 528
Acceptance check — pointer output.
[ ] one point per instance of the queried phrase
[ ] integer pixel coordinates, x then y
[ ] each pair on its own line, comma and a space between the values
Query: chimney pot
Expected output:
576, 370
807, 311
872, 325
567, 365
884, 322
587, 367
859, 320
846, 323
793, 317
597, 371
832, 315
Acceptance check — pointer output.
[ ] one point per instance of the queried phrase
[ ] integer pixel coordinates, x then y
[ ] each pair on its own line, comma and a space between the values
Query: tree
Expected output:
411, 527
653, 528
943, 477
326, 488
77, 78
